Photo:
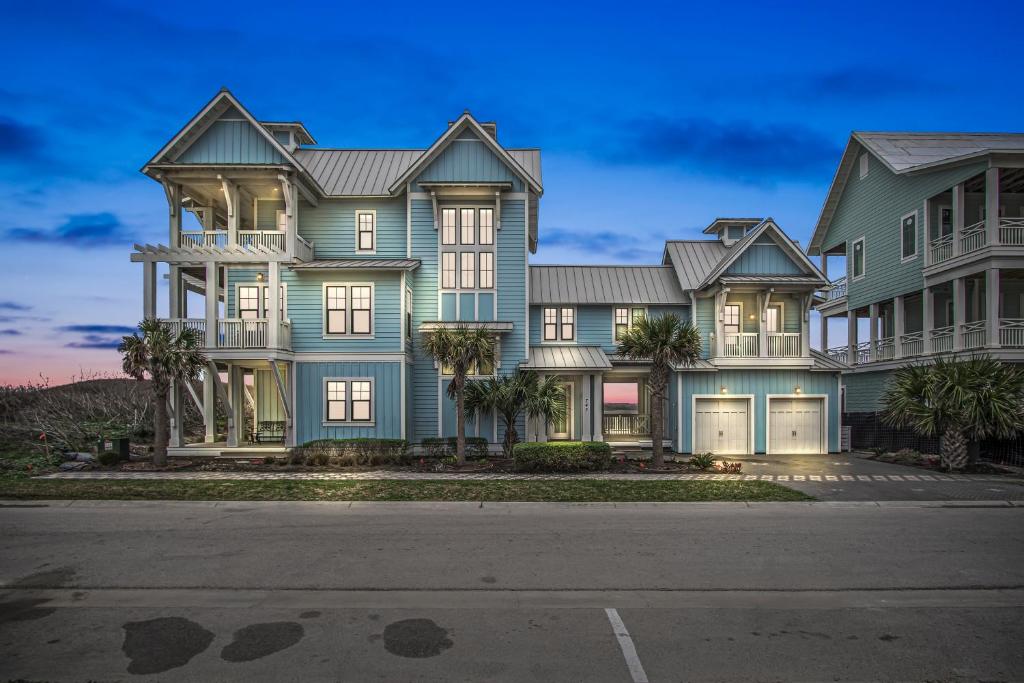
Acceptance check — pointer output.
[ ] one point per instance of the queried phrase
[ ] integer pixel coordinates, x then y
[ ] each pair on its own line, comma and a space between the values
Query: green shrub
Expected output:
109, 458
702, 461
562, 456
349, 452
442, 447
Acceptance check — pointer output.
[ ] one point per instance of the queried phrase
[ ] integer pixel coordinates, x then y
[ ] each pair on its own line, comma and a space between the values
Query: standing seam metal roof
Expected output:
907, 151
693, 260
605, 285
569, 357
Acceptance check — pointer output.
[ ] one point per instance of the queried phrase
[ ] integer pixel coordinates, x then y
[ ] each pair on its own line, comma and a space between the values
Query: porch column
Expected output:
762, 323
174, 213
823, 321
586, 418
274, 306
291, 438
235, 397
958, 216
211, 304
992, 206
851, 336
148, 290
177, 406
927, 319
598, 407
897, 326
992, 305
679, 412
873, 314
959, 311
805, 325
174, 299
231, 198
210, 407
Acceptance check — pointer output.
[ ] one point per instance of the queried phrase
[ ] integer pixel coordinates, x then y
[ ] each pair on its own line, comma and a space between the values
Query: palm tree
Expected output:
512, 395
163, 357
458, 350
960, 401
664, 341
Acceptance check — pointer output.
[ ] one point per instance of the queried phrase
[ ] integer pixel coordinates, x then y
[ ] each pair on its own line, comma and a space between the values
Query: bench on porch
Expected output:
267, 430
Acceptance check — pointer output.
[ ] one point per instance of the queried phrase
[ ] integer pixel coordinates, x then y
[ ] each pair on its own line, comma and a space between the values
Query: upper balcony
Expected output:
235, 334
750, 345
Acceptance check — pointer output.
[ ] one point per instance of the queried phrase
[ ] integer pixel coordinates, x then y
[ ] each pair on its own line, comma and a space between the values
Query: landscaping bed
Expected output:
913, 458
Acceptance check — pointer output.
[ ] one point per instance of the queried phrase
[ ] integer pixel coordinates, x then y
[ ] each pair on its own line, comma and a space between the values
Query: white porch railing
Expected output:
1011, 231
739, 345
783, 344
941, 249
942, 339
1011, 332
237, 333
837, 291
626, 425
972, 238
972, 335
839, 353
271, 240
203, 239
197, 325
885, 348
862, 353
912, 344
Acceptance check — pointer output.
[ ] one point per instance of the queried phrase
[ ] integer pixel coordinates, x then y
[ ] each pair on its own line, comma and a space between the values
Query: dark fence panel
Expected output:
868, 431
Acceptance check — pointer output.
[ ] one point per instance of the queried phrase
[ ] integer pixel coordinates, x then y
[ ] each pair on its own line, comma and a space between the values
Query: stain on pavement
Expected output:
162, 644
260, 640
52, 578
415, 638
24, 610
311, 614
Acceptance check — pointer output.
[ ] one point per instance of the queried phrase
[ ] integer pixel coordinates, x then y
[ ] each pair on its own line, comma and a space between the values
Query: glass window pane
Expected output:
448, 270
550, 324
248, 302
468, 222
486, 269
468, 271
447, 226
486, 226
621, 398
361, 410
360, 322
336, 322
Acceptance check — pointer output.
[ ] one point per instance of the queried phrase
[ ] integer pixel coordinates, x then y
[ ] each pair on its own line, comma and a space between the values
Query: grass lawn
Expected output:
384, 490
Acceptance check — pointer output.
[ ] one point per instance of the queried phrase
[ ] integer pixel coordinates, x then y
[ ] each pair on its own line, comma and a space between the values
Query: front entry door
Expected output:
562, 429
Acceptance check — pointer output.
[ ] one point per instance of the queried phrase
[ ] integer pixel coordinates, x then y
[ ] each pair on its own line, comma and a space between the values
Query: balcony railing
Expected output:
862, 353
885, 348
942, 339
270, 240
197, 325
973, 335
839, 353
233, 333
837, 291
739, 345
626, 425
941, 249
1011, 332
912, 344
1011, 231
255, 240
203, 239
972, 238
783, 344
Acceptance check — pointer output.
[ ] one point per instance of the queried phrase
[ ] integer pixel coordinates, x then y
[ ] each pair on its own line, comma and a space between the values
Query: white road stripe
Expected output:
636, 669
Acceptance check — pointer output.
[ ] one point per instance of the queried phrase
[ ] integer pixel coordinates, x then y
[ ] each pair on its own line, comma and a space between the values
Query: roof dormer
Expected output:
731, 230
291, 134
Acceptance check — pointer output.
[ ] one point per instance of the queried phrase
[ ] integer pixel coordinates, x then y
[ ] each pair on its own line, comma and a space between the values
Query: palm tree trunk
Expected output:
511, 436
161, 426
954, 449
460, 424
657, 416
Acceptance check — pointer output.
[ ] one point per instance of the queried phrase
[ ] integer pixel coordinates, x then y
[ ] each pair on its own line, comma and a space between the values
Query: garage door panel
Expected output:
721, 426
795, 425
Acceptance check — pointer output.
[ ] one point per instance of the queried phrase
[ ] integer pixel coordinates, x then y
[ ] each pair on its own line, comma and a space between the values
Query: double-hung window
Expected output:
486, 226
568, 323
550, 324
559, 324
448, 270
249, 302
336, 303
348, 401
467, 270
348, 309
366, 231
467, 248
908, 236
467, 219
447, 226
624, 318
857, 259
486, 269
731, 318
362, 313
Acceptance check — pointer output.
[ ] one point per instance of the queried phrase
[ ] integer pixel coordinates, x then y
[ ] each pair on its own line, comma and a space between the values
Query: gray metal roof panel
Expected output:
568, 357
356, 172
822, 361
908, 151
605, 285
693, 260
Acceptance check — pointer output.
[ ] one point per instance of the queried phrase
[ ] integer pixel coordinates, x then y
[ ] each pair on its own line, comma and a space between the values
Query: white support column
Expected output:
762, 323
274, 305
291, 438
823, 322
958, 216
679, 412
873, 315
211, 304
927, 319
598, 407
231, 198
805, 325
210, 406
176, 294
959, 311
720, 299
148, 290
898, 324
851, 336
992, 206
177, 415
992, 286
587, 420
236, 397
174, 213
824, 266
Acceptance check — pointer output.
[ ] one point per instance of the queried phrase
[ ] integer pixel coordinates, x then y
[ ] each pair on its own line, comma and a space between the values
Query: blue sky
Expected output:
653, 118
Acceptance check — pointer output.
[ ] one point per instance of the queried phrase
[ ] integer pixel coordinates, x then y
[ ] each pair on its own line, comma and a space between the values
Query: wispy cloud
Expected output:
95, 336
613, 246
10, 332
80, 230
6, 352
858, 82
18, 141
97, 329
14, 306
95, 341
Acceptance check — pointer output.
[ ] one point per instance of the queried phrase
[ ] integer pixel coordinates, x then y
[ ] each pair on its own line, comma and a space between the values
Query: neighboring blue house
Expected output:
368, 249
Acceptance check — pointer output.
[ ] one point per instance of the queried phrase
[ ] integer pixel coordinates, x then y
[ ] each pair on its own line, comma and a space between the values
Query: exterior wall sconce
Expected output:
259, 277
796, 389
751, 316
723, 389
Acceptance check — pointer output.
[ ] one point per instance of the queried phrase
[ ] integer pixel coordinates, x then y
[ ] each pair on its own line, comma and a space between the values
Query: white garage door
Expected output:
722, 426
795, 425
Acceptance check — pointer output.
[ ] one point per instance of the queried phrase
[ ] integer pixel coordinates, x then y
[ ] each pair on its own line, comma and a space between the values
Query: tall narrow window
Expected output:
468, 270
908, 235
486, 226
621, 322
773, 320
858, 258
486, 269
550, 324
448, 270
365, 228
636, 314
336, 405
568, 323
408, 314
447, 226
361, 401
336, 310
468, 221
361, 310
249, 302
731, 318
266, 302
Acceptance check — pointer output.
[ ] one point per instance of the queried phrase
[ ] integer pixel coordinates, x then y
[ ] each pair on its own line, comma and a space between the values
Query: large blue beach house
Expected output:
314, 273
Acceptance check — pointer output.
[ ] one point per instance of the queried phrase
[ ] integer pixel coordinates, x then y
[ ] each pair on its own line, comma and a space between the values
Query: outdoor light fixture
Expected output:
796, 389
751, 316
259, 277
722, 389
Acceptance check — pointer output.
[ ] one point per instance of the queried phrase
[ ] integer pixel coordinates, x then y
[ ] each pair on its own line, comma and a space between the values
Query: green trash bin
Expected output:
117, 444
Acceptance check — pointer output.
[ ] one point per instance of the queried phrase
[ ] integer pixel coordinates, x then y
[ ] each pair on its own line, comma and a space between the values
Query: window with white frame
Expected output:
483, 370
486, 226
550, 324
467, 220
448, 270
568, 323
908, 235
249, 302
408, 314
486, 270
731, 314
623, 318
280, 303
366, 229
471, 264
467, 270
348, 309
857, 262
447, 226
348, 400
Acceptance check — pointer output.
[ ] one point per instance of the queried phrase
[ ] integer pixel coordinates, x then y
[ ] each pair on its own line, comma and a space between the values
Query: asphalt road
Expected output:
511, 592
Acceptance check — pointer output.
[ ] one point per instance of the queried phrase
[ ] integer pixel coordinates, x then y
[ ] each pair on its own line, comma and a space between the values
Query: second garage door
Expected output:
795, 425
722, 426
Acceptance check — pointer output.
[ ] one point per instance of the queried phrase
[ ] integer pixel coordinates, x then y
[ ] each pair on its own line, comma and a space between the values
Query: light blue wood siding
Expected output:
764, 258
231, 142
594, 324
236, 277
305, 310
266, 213
469, 159
864, 390
268, 398
331, 226
760, 383
705, 321
424, 282
309, 390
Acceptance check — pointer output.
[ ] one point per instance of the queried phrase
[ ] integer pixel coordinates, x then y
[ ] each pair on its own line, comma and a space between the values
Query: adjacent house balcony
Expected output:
234, 333
622, 426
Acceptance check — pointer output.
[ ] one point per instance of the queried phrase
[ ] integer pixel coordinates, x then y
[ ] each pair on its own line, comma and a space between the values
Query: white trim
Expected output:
751, 407
348, 334
863, 161
349, 356
373, 231
679, 410
917, 240
853, 261
348, 421
823, 442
